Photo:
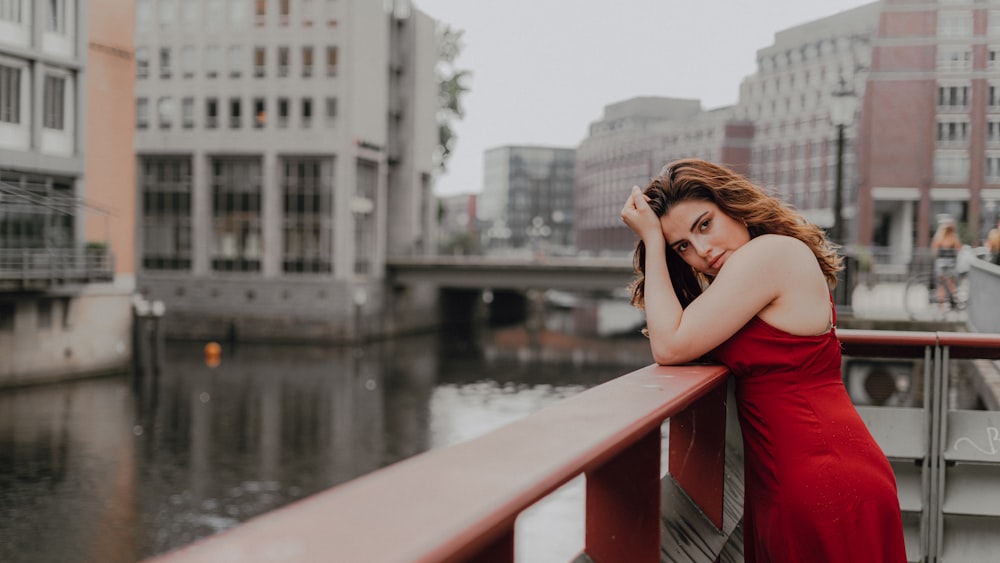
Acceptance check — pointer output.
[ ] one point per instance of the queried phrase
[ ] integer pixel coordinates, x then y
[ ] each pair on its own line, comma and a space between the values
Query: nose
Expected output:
702, 248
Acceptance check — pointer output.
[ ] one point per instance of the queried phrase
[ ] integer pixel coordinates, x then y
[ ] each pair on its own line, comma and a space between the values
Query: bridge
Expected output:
486, 272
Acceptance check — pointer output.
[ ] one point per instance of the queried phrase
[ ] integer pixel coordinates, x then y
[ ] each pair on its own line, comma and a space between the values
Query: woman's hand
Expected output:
640, 217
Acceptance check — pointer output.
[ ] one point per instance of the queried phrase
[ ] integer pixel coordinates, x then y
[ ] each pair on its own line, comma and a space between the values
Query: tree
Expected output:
451, 89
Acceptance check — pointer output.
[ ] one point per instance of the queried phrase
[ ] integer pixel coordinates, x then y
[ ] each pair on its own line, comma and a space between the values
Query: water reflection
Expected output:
118, 469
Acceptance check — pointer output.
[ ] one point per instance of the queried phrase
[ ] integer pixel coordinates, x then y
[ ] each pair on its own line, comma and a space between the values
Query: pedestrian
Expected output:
945, 246
993, 242
726, 271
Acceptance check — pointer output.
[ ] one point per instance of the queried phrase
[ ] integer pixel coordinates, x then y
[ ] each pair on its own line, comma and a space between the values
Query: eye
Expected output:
705, 224
681, 247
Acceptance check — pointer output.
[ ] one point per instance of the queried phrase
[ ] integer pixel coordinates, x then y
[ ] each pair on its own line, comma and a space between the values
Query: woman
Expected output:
725, 270
945, 246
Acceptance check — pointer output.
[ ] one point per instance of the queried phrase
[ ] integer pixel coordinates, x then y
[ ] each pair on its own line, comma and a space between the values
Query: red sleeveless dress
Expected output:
818, 487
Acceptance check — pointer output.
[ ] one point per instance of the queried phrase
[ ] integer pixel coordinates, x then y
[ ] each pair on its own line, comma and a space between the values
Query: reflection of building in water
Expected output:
66, 184
285, 149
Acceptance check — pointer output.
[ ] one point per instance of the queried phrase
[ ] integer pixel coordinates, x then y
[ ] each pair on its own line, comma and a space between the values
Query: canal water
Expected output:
121, 468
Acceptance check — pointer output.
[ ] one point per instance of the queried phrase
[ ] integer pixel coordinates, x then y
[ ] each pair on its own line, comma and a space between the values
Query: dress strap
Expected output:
833, 311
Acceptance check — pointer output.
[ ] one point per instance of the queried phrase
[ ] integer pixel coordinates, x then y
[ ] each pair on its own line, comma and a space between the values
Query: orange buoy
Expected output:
213, 354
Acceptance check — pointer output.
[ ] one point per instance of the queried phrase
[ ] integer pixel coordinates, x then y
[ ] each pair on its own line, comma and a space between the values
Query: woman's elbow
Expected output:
671, 356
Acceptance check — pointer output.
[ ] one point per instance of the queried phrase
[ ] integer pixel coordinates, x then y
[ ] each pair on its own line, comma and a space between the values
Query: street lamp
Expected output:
841, 115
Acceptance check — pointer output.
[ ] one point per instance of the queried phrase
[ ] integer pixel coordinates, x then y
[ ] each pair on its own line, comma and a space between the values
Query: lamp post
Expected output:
841, 115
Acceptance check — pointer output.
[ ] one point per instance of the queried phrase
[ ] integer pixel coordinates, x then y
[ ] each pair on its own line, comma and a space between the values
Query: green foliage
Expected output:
451, 89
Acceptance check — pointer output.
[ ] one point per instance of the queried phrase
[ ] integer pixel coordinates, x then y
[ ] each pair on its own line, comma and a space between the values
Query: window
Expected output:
307, 111
953, 131
164, 62
211, 113
141, 113
283, 8
364, 217
235, 107
331, 112
236, 198
165, 191
953, 96
55, 20
993, 131
992, 168
283, 61
10, 94
282, 112
307, 187
259, 112
212, 61
235, 61
141, 62
307, 61
54, 102
188, 61
10, 10
187, 112
261, 13
259, 60
331, 61
993, 97
165, 112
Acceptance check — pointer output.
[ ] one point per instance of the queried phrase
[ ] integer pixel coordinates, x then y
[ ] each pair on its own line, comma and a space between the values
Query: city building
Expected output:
458, 229
930, 141
789, 100
527, 199
284, 151
67, 214
631, 144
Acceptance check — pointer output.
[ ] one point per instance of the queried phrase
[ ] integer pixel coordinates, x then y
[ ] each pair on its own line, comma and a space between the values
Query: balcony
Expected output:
38, 269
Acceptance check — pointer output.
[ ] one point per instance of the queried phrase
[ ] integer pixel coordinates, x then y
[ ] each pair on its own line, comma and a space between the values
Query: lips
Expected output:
714, 262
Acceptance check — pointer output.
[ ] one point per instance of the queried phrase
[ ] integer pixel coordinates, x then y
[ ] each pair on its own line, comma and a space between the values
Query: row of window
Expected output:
229, 113
215, 15
56, 15
235, 65
236, 184
53, 98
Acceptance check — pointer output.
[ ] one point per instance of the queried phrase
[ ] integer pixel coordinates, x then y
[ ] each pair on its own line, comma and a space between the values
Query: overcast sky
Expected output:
543, 70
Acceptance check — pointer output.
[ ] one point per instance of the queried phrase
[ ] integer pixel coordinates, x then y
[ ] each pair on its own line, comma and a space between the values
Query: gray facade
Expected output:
789, 99
284, 151
527, 200
629, 146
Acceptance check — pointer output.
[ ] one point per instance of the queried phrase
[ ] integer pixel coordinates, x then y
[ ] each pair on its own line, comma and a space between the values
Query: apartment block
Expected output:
284, 150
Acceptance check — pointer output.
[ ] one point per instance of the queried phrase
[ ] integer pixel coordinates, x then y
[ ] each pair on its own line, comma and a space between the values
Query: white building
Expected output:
285, 149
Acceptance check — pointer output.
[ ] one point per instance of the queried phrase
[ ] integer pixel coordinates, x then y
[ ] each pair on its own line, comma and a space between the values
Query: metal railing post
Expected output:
697, 458
623, 505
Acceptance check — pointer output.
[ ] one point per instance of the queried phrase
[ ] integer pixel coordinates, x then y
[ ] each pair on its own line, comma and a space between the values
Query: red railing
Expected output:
460, 503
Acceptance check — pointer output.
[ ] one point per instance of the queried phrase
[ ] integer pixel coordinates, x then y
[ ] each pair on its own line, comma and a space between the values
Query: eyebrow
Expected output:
698, 220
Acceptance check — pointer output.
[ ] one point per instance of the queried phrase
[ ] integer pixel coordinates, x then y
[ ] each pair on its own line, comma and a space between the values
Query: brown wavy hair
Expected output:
738, 198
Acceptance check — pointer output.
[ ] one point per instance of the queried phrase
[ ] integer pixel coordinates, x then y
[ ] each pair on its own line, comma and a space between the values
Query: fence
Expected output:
34, 267
460, 503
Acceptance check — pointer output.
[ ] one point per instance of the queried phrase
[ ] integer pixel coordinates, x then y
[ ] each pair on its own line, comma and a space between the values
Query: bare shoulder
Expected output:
768, 249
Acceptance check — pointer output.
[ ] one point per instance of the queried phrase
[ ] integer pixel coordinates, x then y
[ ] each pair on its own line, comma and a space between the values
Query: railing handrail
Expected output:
452, 503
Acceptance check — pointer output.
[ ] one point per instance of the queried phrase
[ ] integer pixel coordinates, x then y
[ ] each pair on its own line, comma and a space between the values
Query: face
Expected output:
702, 235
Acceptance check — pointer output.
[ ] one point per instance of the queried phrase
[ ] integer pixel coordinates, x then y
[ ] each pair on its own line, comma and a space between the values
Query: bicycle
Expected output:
922, 299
